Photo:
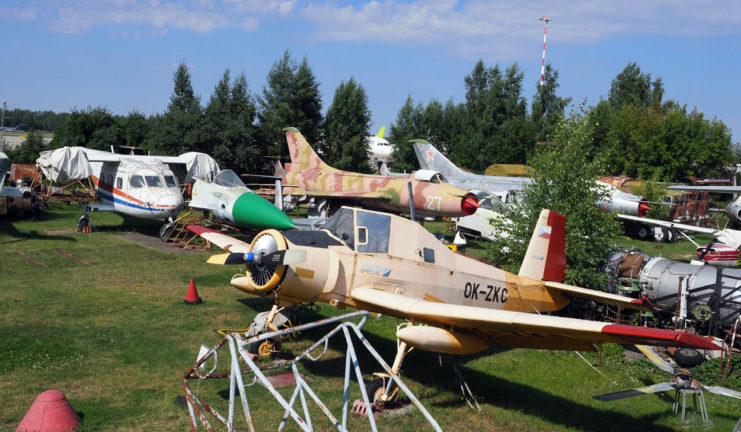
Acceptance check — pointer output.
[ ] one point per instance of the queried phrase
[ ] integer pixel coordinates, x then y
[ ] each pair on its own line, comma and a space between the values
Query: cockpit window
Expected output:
170, 181
228, 178
377, 228
341, 225
438, 178
153, 181
492, 202
136, 181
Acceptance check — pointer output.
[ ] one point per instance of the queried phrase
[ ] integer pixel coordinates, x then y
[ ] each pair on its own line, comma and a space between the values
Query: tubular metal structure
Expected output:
238, 349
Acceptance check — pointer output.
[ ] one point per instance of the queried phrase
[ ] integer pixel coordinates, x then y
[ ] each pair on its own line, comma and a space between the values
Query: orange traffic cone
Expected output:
50, 412
191, 298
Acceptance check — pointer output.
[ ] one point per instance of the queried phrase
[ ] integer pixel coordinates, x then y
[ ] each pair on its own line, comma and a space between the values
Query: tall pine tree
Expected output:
348, 120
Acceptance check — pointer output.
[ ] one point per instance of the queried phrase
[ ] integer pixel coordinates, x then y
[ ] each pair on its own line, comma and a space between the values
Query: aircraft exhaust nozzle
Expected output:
441, 340
469, 204
643, 208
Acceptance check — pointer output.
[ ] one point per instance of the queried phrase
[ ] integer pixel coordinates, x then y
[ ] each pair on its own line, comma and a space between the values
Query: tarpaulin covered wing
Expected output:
64, 165
199, 165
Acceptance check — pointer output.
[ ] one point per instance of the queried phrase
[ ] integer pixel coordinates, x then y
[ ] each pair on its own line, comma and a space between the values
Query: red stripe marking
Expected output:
659, 335
111, 189
201, 229
555, 264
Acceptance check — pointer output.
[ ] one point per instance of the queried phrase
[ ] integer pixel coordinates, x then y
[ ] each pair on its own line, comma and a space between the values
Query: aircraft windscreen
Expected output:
170, 181
378, 228
136, 181
153, 181
492, 203
228, 178
341, 225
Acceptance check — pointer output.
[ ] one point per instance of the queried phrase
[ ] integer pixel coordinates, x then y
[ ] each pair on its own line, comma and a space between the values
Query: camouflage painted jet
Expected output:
508, 187
388, 264
308, 176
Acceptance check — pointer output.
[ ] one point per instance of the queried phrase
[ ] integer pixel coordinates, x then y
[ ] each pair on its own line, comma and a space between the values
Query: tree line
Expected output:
634, 128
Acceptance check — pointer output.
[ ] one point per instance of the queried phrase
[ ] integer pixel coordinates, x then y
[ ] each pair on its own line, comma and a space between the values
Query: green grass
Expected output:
115, 336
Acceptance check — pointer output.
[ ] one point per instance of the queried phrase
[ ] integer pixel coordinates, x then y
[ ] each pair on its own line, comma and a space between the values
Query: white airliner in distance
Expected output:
142, 186
379, 149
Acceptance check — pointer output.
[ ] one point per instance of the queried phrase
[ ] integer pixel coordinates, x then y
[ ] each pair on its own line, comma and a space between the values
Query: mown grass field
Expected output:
114, 335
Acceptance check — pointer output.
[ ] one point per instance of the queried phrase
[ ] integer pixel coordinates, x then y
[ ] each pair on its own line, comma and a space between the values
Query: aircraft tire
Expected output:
82, 222
265, 348
375, 390
688, 357
643, 232
166, 230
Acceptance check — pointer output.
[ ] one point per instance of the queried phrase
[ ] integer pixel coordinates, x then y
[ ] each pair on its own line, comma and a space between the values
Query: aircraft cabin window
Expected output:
377, 231
429, 255
136, 181
119, 182
153, 181
341, 224
170, 181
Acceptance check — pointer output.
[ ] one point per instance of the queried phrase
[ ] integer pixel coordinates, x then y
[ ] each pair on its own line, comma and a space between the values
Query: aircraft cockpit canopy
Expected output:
364, 231
431, 176
153, 179
228, 178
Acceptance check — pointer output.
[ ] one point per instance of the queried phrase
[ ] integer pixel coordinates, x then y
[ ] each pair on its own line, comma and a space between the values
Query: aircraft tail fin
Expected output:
546, 255
302, 155
384, 169
381, 132
278, 168
430, 158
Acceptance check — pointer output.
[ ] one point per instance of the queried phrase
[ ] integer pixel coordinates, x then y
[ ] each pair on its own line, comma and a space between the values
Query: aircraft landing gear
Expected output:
166, 230
382, 389
83, 223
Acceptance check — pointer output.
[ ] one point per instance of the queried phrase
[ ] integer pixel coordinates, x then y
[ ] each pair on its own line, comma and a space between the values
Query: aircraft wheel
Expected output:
265, 348
82, 222
643, 232
166, 230
376, 389
688, 357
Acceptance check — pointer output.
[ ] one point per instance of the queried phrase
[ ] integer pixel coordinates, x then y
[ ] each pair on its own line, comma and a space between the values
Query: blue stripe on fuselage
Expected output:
106, 197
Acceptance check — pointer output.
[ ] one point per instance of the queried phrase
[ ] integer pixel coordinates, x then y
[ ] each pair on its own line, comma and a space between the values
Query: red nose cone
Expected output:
469, 205
643, 208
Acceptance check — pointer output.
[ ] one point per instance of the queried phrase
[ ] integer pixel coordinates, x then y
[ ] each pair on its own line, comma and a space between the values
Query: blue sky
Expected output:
121, 54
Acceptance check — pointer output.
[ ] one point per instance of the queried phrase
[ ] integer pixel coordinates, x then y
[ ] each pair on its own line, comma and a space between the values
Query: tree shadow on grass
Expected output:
18, 235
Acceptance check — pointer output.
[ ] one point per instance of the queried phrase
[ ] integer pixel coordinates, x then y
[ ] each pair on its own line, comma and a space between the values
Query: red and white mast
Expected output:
545, 33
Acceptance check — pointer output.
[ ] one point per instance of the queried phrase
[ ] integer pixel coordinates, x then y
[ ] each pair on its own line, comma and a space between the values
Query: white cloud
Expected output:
22, 14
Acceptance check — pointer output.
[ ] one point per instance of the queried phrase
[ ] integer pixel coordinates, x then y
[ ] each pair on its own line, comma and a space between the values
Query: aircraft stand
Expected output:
238, 349
696, 395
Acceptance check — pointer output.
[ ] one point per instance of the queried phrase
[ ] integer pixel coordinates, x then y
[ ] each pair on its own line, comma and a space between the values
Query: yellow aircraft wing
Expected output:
598, 296
520, 329
229, 244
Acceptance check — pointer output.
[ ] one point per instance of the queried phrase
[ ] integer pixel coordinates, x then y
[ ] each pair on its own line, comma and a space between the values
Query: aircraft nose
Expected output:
250, 209
469, 204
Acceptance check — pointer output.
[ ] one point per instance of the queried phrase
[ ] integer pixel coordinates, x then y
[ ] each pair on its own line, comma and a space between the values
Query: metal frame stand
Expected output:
696, 395
238, 349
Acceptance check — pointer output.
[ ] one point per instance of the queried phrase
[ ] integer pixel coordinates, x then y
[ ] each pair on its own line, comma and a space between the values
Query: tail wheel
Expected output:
265, 277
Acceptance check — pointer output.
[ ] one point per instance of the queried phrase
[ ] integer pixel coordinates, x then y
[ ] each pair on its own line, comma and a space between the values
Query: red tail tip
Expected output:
469, 205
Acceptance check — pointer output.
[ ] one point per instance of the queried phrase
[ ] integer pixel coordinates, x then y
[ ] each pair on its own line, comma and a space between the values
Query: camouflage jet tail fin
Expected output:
430, 158
278, 168
546, 255
384, 170
302, 155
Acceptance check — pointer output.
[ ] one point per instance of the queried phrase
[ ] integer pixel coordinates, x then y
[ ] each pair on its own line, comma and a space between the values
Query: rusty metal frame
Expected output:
238, 349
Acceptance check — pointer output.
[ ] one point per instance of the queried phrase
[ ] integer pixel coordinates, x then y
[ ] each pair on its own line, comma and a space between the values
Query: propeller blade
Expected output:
284, 257
231, 258
655, 359
660, 387
723, 391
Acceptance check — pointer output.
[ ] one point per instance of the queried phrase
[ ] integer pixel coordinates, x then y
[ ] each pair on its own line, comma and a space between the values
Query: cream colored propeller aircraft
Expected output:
384, 263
